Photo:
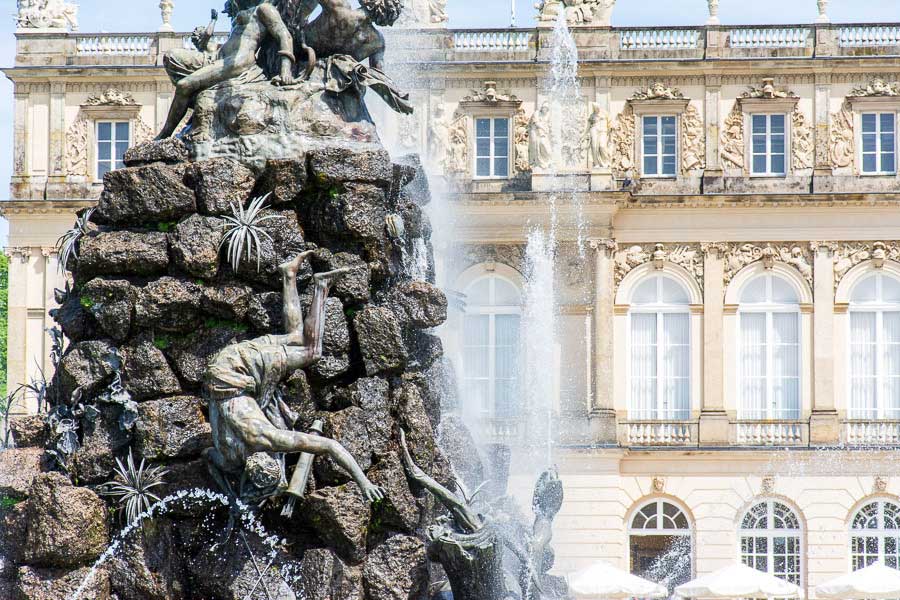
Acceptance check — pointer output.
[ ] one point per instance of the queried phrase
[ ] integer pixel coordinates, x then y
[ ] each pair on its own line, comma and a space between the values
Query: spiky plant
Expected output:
67, 244
242, 231
131, 487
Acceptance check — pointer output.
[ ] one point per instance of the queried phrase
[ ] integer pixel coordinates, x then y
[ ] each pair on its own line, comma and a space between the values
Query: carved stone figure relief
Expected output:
112, 97
877, 87
540, 142
577, 12
802, 145
489, 94
658, 91
423, 13
768, 91
597, 137
623, 141
408, 135
46, 14
77, 146
849, 254
738, 255
733, 138
520, 140
438, 136
687, 256
693, 140
571, 133
458, 145
468, 255
841, 135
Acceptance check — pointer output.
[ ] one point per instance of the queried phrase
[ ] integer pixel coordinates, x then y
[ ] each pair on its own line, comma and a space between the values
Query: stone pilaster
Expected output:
822, 111
824, 424
603, 413
56, 159
714, 428
17, 352
21, 159
712, 176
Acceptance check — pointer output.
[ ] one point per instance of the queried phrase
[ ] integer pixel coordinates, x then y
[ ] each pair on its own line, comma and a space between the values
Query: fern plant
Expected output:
132, 487
67, 244
243, 231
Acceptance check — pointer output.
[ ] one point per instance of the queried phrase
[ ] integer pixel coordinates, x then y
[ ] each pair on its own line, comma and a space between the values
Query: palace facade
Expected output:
726, 367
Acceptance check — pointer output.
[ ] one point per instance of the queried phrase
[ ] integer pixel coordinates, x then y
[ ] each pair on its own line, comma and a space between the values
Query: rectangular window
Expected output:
660, 146
491, 147
113, 138
879, 143
768, 144
660, 366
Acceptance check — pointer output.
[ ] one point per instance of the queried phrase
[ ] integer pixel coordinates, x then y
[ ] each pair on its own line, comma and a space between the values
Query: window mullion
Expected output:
660, 394
770, 393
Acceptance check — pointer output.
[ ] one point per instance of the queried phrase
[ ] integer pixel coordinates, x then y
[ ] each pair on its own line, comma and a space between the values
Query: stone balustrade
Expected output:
871, 433
218, 38
660, 433
779, 433
660, 39
114, 45
501, 430
463, 45
770, 37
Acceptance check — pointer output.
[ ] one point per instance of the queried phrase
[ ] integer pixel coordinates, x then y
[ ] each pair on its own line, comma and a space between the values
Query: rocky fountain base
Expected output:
152, 301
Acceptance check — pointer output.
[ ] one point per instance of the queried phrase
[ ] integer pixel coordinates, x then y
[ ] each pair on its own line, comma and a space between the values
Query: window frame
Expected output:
492, 157
660, 155
770, 533
880, 533
659, 530
768, 151
879, 308
659, 309
113, 122
879, 151
769, 309
492, 311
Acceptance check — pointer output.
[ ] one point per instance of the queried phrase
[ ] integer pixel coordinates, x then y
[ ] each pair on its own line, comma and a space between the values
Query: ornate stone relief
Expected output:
77, 146
142, 131
768, 484
489, 94
46, 14
456, 160
876, 88
408, 134
841, 135
768, 91
880, 485
585, 12
693, 140
736, 256
23, 253
802, 145
540, 139
733, 138
520, 140
687, 256
659, 484
438, 136
849, 254
423, 13
623, 142
571, 133
468, 255
112, 97
658, 91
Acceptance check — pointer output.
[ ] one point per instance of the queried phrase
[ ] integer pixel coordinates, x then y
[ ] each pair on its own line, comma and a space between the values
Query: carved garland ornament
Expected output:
623, 141
687, 256
841, 135
693, 140
738, 255
802, 145
733, 138
520, 139
849, 254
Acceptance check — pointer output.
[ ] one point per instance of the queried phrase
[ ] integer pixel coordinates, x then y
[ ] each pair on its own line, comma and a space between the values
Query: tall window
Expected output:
770, 541
769, 350
768, 144
875, 535
660, 351
492, 147
879, 143
491, 345
660, 144
113, 139
875, 348
661, 544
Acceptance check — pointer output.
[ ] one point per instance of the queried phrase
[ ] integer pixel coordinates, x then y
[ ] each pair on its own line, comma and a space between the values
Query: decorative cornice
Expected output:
877, 87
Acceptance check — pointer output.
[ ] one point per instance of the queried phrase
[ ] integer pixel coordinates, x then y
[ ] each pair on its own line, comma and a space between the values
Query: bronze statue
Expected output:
247, 416
193, 71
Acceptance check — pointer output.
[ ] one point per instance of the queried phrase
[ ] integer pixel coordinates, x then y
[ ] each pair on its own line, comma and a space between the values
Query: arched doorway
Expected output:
661, 543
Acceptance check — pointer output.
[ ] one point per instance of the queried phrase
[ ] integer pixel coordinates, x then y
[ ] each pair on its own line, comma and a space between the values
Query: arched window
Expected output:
661, 544
875, 535
771, 541
769, 366
875, 348
660, 369
491, 345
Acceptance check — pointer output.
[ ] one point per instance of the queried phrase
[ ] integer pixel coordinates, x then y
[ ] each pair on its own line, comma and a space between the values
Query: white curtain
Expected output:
753, 381
477, 362
506, 357
643, 366
786, 366
891, 375
676, 366
863, 375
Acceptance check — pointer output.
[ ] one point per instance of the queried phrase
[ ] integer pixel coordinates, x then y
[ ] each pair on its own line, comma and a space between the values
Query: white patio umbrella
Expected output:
738, 581
604, 581
875, 582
